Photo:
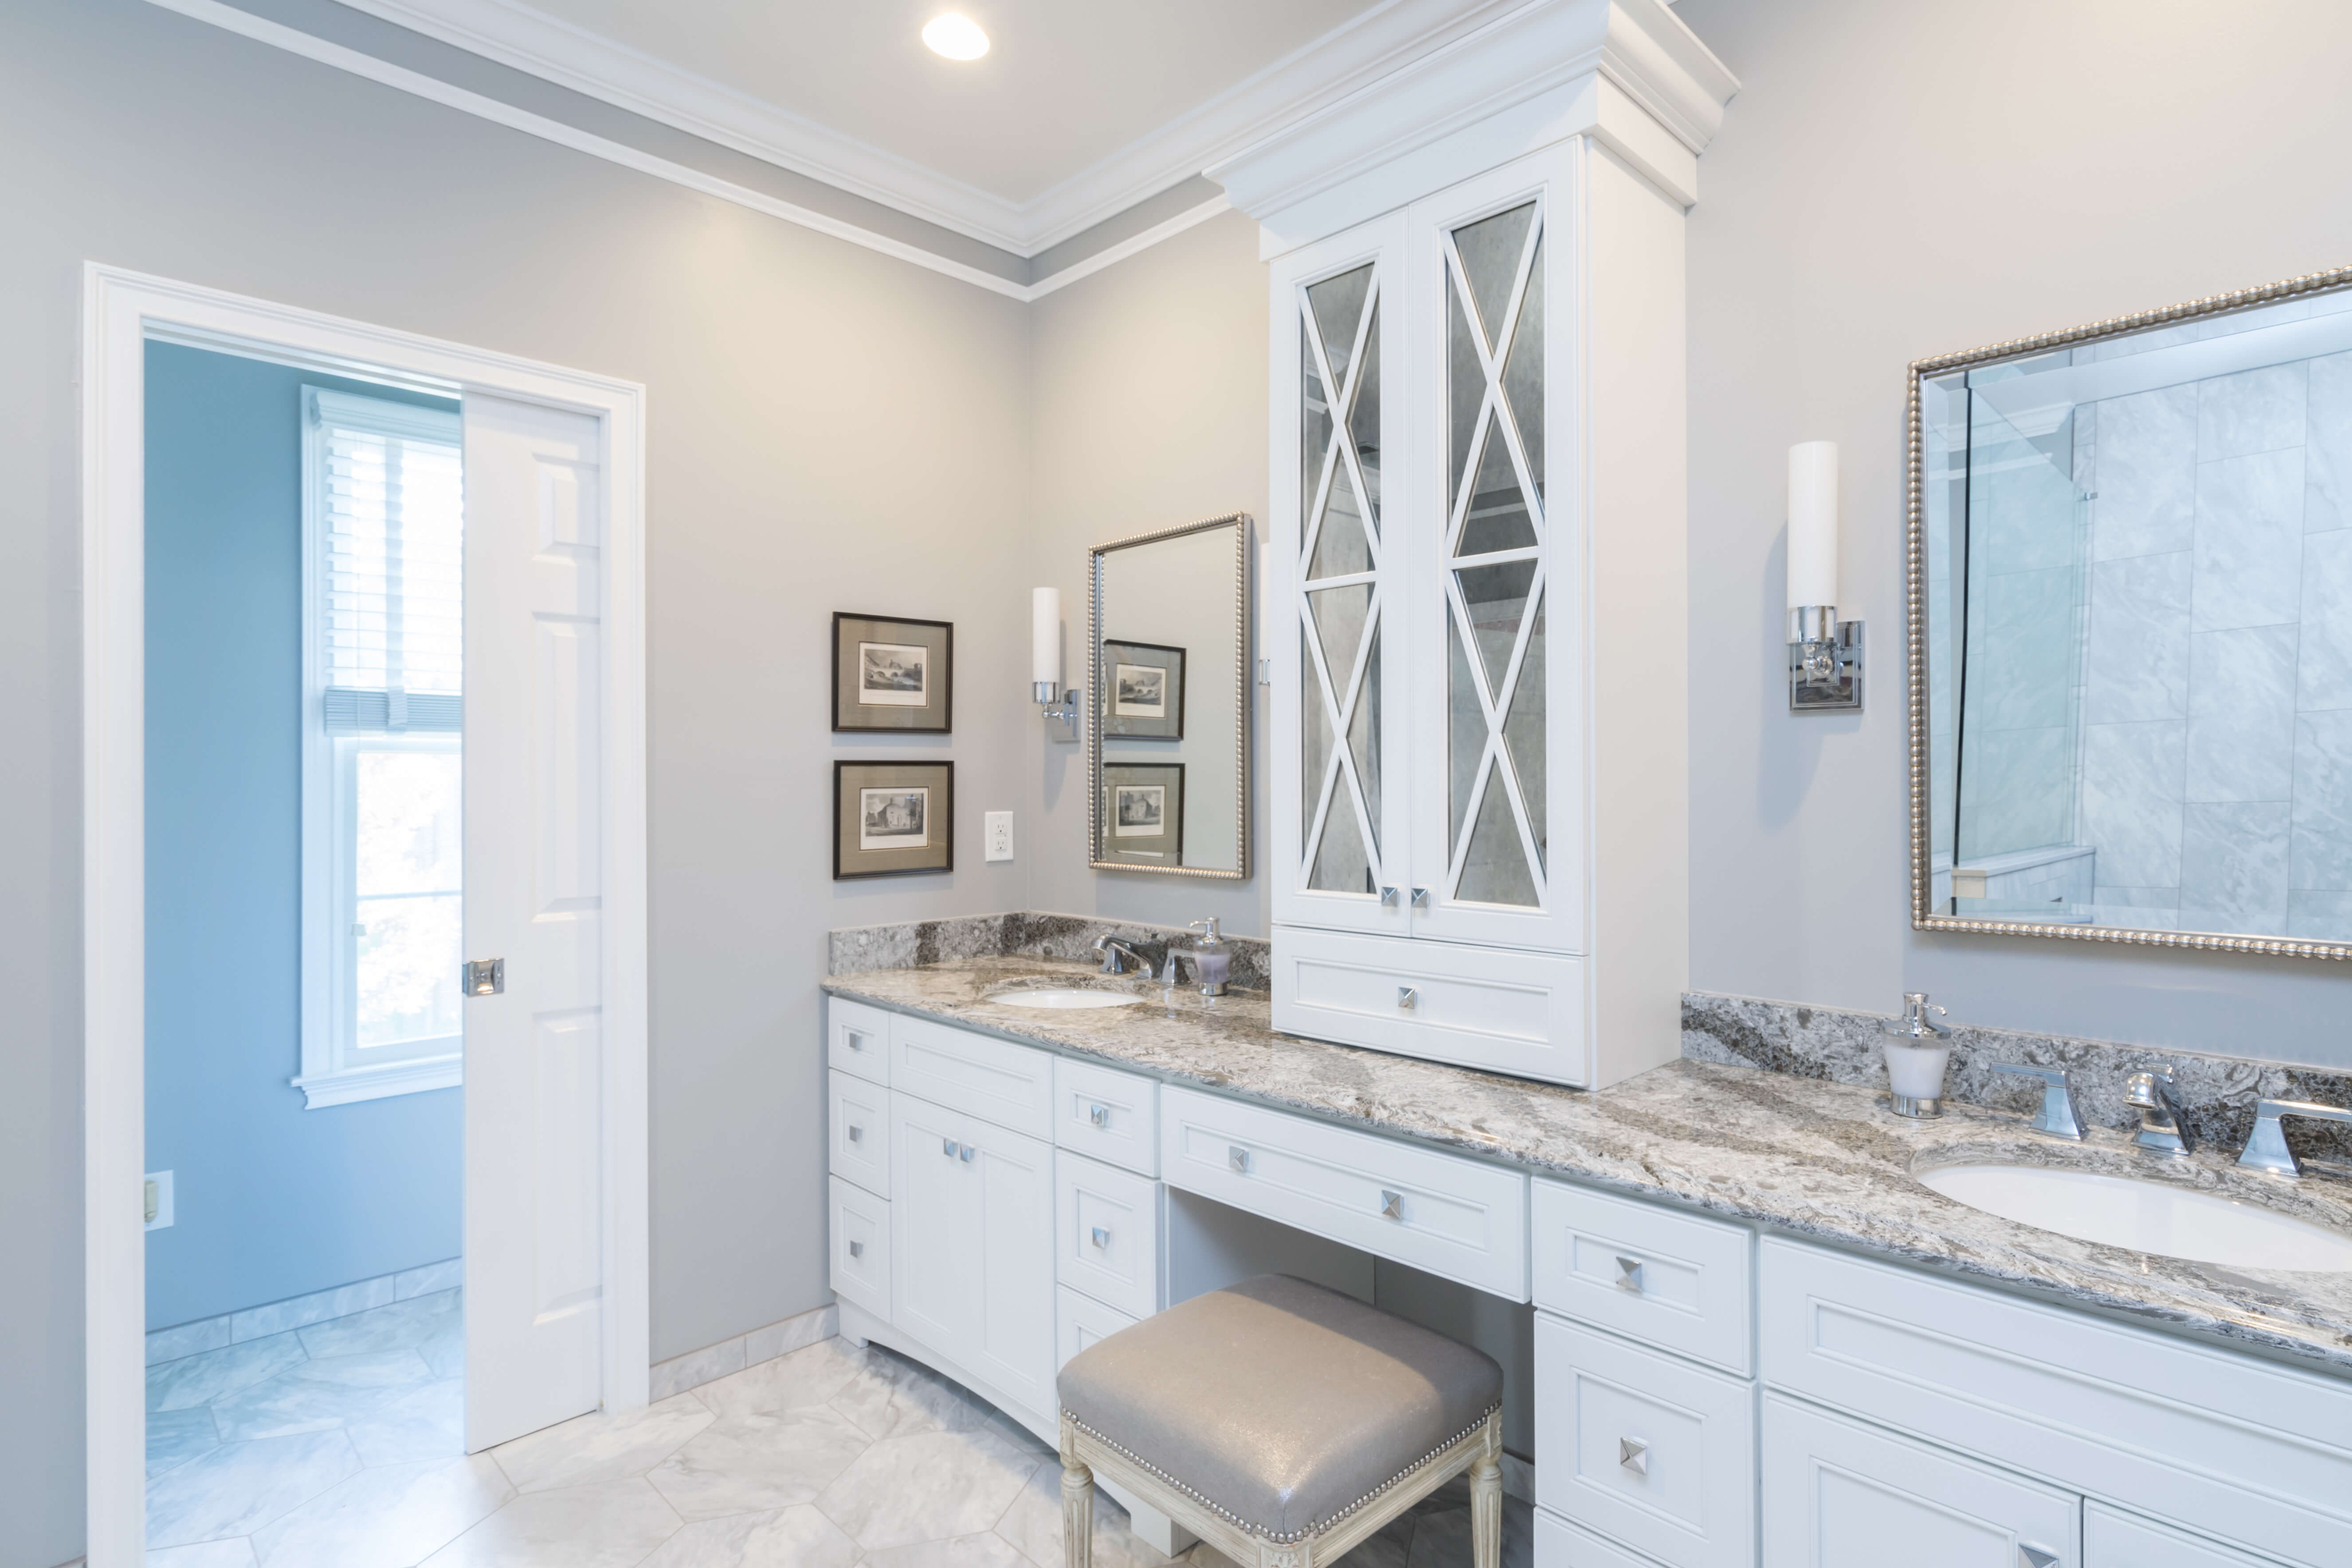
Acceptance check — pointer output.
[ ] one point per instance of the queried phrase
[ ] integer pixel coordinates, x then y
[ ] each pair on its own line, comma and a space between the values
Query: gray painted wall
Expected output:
1897, 181
829, 429
271, 1200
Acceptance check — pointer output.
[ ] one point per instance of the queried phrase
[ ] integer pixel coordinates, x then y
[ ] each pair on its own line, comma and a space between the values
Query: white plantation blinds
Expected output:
388, 487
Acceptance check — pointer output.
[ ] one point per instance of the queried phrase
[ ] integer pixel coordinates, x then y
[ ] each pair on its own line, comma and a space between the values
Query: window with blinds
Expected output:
390, 480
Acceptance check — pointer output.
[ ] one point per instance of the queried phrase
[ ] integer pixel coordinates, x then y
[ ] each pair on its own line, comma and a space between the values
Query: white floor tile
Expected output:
201, 1379
389, 1517
427, 1423
602, 1448
238, 1488
959, 1552
788, 1538
1033, 1524
402, 1326
318, 1395
236, 1553
175, 1436
793, 1381
932, 1486
746, 1463
893, 1397
613, 1525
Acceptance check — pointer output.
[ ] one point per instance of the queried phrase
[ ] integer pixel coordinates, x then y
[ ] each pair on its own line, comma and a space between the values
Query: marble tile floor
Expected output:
824, 1458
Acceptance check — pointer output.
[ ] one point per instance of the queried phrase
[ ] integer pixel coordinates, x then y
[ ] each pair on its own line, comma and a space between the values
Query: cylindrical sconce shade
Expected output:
1812, 523
1046, 636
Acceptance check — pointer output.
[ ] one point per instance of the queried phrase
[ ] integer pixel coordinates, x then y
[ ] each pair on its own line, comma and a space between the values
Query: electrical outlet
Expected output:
159, 1199
998, 836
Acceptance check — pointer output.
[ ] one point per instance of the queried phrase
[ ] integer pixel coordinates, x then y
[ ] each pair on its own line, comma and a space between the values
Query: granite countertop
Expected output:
1807, 1157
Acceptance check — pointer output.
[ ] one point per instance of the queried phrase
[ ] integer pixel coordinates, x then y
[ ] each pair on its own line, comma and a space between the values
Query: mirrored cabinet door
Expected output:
1337, 581
1492, 675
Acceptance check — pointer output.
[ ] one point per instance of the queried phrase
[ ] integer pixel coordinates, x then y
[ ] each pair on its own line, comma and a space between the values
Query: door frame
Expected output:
121, 311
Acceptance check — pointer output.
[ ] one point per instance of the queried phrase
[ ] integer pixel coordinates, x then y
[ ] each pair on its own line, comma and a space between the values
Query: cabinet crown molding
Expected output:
1639, 46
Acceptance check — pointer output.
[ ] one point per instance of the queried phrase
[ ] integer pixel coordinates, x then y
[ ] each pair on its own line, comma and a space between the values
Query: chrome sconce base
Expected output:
1059, 708
1824, 660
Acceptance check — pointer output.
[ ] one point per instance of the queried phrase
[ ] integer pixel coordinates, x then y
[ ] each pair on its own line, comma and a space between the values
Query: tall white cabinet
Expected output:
1479, 558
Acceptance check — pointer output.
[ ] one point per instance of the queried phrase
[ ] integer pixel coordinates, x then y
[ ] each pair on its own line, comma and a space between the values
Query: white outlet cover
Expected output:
998, 836
162, 1180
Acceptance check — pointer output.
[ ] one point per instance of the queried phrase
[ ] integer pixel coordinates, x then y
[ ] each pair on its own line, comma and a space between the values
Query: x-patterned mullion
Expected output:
1494, 713
1493, 407
1341, 759
1341, 444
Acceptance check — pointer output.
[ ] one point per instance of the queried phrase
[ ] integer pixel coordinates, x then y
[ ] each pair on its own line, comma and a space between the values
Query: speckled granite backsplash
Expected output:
1026, 932
2218, 1093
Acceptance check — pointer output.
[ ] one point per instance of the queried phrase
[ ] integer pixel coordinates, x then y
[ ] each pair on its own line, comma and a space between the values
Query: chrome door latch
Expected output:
486, 976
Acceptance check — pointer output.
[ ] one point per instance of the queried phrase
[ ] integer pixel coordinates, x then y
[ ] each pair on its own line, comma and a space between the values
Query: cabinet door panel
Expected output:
1012, 1344
1838, 1494
1495, 681
1334, 575
2113, 1539
935, 1235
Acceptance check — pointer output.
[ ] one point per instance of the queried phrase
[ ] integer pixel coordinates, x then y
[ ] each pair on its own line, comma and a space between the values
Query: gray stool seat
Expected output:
1281, 1408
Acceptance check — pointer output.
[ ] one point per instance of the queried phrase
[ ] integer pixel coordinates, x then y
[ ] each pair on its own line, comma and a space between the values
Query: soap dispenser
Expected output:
1915, 1058
1212, 958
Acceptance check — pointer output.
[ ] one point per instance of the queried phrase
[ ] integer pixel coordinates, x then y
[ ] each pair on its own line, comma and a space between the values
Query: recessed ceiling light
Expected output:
958, 38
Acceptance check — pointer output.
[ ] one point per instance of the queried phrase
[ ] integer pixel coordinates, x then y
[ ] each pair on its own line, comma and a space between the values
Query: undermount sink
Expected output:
1064, 998
2146, 1216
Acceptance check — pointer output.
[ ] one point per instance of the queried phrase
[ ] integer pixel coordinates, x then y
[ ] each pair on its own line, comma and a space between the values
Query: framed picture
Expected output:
890, 674
1143, 690
1143, 813
892, 819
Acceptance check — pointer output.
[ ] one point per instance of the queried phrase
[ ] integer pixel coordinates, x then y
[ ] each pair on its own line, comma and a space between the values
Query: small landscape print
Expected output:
1142, 691
1140, 811
893, 819
893, 675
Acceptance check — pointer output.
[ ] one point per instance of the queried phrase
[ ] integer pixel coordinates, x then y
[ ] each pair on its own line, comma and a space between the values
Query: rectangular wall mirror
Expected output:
1167, 729
2131, 585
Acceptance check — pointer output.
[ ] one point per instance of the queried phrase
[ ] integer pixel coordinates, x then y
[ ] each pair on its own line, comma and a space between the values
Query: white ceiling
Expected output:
1080, 108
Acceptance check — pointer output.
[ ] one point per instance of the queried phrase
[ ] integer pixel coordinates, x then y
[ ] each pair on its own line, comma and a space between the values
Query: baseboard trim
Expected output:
183, 1340
712, 1362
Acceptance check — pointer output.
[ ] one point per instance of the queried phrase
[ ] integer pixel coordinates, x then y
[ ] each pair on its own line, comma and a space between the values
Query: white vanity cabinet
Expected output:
1479, 558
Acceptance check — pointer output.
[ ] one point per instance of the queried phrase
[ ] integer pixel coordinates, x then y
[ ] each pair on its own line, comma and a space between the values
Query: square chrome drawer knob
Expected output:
1629, 1274
1408, 998
857, 1249
2034, 1557
1391, 1205
1238, 1158
1102, 1237
1634, 1455
857, 1041
856, 1133
1098, 1114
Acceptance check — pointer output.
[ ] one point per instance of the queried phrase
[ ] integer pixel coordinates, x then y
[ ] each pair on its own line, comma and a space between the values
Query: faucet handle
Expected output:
2057, 1117
2266, 1148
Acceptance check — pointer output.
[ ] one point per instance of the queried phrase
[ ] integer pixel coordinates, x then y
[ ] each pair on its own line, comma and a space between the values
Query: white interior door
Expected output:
534, 886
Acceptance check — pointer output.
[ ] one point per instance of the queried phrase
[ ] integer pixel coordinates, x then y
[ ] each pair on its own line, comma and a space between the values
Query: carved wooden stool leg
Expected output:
1077, 1506
1486, 1511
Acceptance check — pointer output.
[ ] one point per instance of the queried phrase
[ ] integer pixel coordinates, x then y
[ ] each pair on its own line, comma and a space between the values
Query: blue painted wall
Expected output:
273, 1200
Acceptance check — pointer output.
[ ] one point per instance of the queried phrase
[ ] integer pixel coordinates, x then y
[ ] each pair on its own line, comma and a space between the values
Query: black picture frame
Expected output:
1117, 652
896, 648
855, 854
1165, 847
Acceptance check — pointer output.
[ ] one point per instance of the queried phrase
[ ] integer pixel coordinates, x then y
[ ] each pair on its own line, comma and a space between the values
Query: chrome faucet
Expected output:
2058, 1116
2266, 1148
2160, 1124
1117, 955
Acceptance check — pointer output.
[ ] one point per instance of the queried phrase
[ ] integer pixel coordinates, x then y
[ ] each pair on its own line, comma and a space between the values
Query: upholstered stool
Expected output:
1282, 1423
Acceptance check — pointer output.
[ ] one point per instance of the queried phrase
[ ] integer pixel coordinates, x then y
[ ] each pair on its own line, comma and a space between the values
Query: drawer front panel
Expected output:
1448, 1216
1670, 1280
857, 1039
1106, 1233
979, 1074
1838, 1494
1079, 1320
1644, 1449
1506, 1010
1560, 1544
857, 1131
1107, 1115
861, 1247
2244, 1449
2113, 1539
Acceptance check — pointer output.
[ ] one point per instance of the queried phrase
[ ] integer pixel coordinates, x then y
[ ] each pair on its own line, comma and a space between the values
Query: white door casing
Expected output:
121, 311
534, 886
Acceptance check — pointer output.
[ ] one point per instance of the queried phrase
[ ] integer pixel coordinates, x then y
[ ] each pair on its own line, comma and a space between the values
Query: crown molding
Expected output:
1639, 47
1322, 72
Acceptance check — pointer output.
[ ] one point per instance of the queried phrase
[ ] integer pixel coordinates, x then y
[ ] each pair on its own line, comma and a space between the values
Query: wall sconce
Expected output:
1060, 708
1824, 653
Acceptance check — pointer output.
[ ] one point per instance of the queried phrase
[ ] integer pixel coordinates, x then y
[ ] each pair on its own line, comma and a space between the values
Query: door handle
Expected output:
1391, 1205
1407, 998
1633, 1454
1629, 1274
2034, 1557
1098, 1114
486, 976
1238, 1158
1102, 1237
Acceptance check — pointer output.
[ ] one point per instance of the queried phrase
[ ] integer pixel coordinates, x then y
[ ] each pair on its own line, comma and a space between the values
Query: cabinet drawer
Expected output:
1439, 1213
1106, 1114
1106, 1233
1645, 1448
857, 1039
857, 1131
1560, 1544
981, 1075
861, 1247
1079, 1320
1506, 1010
1668, 1278
2227, 1444
1838, 1494
2113, 1539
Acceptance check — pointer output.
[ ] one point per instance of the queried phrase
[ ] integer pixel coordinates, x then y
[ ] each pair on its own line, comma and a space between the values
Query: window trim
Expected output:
329, 1075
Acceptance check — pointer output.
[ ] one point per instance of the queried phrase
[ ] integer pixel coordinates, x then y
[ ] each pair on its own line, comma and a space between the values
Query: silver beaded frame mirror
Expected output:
2130, 621
1167, 701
